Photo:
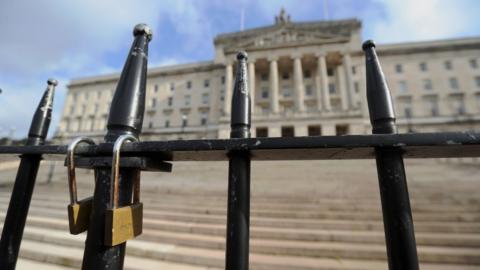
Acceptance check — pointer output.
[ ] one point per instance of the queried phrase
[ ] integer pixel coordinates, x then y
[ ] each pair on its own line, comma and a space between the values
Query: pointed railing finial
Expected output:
380, 105
128, 104
241, 107
43, 115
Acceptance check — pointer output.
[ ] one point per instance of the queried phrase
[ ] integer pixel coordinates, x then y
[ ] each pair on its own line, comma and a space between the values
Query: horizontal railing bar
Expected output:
415, 145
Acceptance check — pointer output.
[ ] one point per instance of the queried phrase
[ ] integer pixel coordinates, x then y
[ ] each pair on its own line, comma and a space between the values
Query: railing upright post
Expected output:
16, 217
397, 213
126, 117
238, 213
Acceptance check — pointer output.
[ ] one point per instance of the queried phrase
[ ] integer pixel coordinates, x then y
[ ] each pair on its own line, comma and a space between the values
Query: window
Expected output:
311, 107
155, 88
477, 81
189, 84
265, 110
341, 130
86, 96
331, 88
261, 132
154, 102
184, 120
314, 130
95, 108
203, 120
402, 87
75, 96
423, 66
398, 68
264, 92
427, 84
307, 74
170, 101
330, 72
205, 98
405, 107
287, 91
354, 70
459, 105
172, 86
477, 98
473, 63
407, 111
288, 131
187, 100
206, 83
285, 76
222, 79
356, 87
448, 65
84, 109
167, 123
309, 90
264, 77
150, 124
431, 104
453, 83
72, 109
99, 94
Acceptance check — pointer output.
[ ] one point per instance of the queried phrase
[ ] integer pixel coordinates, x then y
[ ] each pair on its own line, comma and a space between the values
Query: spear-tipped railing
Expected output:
25, 181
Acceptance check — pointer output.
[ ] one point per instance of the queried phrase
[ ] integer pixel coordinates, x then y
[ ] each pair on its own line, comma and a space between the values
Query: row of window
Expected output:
313, 130
92, 94
307, 74
188, 84
187, 99
427, 84
184, 122
447, 64
432, 108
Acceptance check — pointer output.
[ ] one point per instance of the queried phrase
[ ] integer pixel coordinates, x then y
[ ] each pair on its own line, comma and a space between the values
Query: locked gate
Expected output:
114, 214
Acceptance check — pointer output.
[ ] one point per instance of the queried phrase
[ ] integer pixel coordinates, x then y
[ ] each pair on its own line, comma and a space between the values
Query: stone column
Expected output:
347, 63
298, 82
274, 85
322, 84
228, 89
251, 82
342, 87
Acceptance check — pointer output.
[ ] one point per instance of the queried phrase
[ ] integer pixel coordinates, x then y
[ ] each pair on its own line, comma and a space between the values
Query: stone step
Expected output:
420, 226
70, 256
350, 204
61, 242
360, 251
327, 214
310, 235
24, 264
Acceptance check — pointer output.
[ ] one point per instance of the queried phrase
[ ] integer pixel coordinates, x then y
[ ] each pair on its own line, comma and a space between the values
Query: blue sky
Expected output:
71, 39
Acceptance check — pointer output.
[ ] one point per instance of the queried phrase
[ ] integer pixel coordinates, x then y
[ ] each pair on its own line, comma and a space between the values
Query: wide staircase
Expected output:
305, 215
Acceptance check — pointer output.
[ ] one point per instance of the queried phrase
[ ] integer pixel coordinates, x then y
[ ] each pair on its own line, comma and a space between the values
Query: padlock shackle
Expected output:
72, 179
116, 167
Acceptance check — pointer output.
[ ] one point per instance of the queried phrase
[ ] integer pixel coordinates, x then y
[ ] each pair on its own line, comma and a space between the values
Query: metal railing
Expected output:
126, 117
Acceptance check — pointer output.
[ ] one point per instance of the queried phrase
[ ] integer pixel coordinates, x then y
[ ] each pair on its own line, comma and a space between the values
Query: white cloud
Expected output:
70, 39
408, 20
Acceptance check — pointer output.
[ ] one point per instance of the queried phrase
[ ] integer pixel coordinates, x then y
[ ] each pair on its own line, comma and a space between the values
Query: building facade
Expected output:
305, 79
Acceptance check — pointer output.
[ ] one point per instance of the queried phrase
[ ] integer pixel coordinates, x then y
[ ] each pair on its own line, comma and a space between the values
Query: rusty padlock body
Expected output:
122, 223
78, 211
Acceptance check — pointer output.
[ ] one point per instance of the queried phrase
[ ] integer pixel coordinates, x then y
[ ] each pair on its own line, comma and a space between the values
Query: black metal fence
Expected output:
125, 121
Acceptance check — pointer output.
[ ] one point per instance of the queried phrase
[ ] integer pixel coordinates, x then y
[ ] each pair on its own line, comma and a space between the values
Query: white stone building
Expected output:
306, 78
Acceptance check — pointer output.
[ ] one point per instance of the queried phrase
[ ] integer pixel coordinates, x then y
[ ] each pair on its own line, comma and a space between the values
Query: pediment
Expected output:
286, 37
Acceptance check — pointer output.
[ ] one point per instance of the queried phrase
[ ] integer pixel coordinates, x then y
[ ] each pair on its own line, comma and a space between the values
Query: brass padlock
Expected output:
78, 211
122, 223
